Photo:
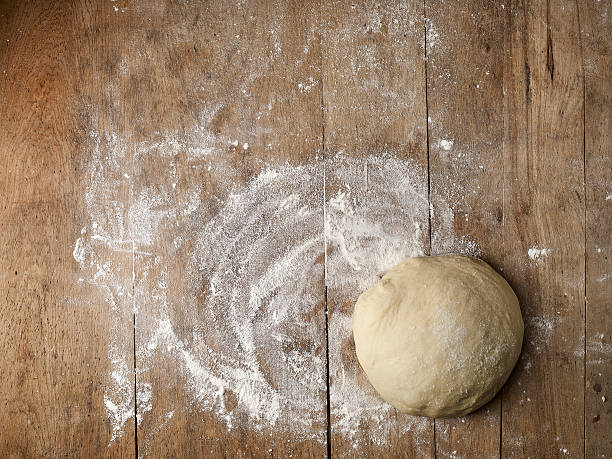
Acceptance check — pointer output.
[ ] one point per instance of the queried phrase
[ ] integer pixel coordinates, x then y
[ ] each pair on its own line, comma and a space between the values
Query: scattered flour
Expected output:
536, 253
540, 329
446, 144
433, 36
253, 284
104, 254
260, 339
77, 253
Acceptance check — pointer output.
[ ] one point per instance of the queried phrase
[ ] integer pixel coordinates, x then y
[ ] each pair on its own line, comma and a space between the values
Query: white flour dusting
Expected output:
536, 253
104, 254
433, 36
77, 253
446, 144
260, 340
254, 280
541, 329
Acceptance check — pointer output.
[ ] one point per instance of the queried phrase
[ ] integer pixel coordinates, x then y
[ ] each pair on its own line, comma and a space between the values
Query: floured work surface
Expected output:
195, 195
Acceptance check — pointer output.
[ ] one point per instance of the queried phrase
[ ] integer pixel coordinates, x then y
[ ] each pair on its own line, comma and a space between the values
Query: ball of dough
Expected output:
438, 336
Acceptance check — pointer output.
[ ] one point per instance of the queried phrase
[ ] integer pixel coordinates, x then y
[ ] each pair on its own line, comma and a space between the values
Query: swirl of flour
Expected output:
261, 257
253, 350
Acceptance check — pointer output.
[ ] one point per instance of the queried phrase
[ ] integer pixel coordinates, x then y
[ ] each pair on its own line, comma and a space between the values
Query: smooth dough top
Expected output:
438, 336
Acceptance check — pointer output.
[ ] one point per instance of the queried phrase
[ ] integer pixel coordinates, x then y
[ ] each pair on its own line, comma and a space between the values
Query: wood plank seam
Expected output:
428, 163
327, 373
595, 45
328, 408
131, 202
580, 44
503, 222
503, 185
427, 133
584, 360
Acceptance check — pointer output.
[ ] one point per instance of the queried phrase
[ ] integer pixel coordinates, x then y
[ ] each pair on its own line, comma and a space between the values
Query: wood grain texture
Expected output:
542, 410
245, 64
53, 332
522, 89
374, 102
596, 33
465, 53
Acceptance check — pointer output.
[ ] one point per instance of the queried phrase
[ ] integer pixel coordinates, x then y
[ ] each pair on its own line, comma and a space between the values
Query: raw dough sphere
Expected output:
438, 336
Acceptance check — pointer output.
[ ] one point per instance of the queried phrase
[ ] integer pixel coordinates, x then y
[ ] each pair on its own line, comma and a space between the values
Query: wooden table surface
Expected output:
147, 149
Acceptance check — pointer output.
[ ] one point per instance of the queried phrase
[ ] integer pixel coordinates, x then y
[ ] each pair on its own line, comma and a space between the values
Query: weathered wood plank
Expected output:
58, 332
542, 409
230, 322
596, 33
376, 199
465, 53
